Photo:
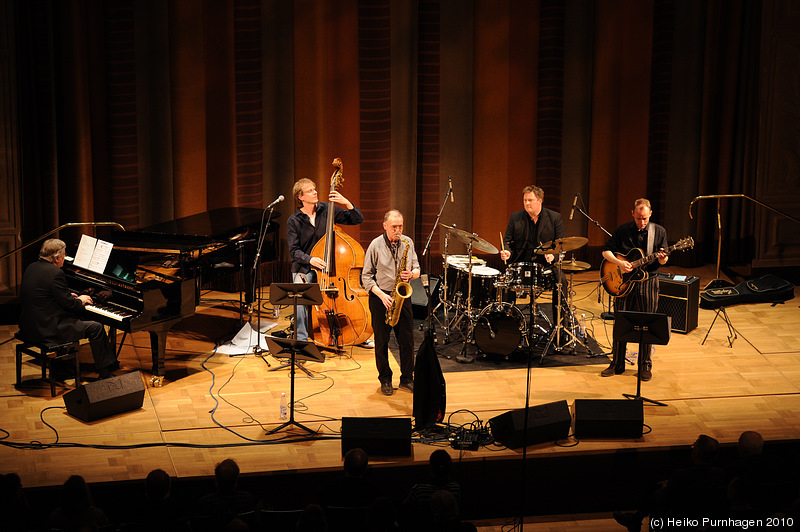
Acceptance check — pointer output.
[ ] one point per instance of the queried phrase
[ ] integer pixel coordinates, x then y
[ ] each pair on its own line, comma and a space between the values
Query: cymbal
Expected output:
567, 243
470, 238
575, 266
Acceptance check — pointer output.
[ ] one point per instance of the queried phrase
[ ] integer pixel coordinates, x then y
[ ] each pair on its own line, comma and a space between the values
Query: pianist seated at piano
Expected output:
51, 312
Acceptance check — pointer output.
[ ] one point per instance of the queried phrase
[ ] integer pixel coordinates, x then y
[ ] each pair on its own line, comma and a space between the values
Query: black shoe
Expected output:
646, 374
611, 370
114, 366
629, 521
386, 388
105, 373
409, 385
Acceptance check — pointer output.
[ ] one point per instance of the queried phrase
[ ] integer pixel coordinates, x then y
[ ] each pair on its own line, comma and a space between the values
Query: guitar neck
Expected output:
650, 258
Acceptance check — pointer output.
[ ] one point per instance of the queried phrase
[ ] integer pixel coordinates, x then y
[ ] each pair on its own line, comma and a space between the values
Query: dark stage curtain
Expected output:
142, 111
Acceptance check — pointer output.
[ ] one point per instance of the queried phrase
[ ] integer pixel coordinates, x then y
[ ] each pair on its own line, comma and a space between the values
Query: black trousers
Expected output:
643, 297
102, 352
403, 332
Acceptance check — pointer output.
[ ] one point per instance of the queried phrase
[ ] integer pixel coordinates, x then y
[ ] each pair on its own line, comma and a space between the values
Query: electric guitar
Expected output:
619, 284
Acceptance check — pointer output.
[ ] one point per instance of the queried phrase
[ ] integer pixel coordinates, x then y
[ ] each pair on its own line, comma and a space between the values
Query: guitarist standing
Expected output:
630, 242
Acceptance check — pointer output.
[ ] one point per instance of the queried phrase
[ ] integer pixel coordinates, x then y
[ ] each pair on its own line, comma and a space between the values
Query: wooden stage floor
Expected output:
213, 406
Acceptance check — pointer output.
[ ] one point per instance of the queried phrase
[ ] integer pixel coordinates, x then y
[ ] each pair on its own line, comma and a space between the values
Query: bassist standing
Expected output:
630, 242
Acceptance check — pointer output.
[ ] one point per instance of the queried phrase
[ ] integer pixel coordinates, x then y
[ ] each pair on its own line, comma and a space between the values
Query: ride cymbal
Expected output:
470, 239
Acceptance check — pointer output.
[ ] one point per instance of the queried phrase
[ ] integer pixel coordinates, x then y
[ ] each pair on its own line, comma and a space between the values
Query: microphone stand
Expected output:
431, 330
257, 288
605, 315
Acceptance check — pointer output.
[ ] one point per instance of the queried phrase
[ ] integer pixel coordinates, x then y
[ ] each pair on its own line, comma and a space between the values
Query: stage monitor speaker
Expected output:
679, 298
377, 436
609, 418
106, 397
546, 423
419, 299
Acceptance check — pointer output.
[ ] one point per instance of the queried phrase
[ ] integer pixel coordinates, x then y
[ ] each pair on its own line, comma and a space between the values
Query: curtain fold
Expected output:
143, 111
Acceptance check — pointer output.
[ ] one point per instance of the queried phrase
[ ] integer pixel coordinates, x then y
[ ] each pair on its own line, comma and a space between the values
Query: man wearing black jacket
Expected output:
50, 312
528, 230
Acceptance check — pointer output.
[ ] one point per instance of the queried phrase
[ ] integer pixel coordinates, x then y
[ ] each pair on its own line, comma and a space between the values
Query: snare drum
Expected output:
457, 277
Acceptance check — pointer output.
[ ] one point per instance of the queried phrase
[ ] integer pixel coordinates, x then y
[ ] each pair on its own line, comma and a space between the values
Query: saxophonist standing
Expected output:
389, 262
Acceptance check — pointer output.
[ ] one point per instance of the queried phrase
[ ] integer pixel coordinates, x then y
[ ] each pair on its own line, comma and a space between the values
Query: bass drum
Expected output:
500, 328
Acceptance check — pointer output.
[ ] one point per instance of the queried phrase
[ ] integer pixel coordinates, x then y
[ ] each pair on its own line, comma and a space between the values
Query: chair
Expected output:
46, 354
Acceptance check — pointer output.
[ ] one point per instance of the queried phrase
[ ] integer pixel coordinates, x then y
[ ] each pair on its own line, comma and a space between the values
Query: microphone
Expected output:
574, 202
450, 184
277, 200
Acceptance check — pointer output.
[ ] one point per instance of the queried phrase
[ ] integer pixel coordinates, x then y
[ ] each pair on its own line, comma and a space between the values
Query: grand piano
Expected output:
153, 276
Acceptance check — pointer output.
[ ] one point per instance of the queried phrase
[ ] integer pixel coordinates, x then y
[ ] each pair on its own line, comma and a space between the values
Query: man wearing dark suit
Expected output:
50, 311
530, 228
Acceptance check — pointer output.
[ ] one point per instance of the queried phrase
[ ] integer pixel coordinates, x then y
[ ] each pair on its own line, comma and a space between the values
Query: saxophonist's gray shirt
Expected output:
380, 262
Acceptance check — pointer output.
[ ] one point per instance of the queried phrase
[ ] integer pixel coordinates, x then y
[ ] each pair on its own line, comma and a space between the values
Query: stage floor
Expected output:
212, 406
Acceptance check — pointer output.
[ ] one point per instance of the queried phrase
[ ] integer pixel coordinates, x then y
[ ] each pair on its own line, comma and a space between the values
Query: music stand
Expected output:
643, 328
295, 294
293, 350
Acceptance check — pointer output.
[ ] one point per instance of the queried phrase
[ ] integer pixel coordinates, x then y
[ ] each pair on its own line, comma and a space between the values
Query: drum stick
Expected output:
503, 247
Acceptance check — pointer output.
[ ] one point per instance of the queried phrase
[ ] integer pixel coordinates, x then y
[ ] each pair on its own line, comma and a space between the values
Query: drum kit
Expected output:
480, 302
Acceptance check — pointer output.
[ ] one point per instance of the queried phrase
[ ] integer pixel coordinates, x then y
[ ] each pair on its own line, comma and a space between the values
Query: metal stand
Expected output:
733, 334
556, 332
644, 328
257, 288
295, 349
605, 315
295, 294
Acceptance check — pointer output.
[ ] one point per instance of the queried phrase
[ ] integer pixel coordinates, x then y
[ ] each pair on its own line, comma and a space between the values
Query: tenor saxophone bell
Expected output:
402, 291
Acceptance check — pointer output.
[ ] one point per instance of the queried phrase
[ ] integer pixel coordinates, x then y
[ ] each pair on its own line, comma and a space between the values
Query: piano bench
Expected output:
46, 354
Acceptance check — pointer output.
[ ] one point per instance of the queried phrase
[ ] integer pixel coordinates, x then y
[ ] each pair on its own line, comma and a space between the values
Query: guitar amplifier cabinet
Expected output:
679, 298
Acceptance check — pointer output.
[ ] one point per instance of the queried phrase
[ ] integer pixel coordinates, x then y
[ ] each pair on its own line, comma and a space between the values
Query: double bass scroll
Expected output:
343, 317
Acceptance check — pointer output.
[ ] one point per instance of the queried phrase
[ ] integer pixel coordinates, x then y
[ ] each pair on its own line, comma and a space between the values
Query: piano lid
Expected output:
193, 232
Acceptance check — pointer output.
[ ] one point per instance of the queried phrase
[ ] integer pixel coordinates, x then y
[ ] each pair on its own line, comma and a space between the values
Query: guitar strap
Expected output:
651, 236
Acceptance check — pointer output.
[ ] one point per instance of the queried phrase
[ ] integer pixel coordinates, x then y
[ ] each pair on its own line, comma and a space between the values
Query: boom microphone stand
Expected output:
431, 330
257, 288
605, 315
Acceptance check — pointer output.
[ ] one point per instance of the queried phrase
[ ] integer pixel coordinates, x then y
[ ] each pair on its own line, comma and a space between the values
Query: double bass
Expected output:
343, 317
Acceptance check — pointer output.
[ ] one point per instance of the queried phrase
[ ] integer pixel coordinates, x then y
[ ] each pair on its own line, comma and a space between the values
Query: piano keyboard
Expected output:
109, 312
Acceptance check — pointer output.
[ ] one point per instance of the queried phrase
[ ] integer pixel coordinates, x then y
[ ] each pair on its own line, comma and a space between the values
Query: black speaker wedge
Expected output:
546, 423
106, 397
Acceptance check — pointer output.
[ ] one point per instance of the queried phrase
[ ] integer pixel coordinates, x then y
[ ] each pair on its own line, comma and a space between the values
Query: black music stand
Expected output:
294, 294
294, 350
643, 328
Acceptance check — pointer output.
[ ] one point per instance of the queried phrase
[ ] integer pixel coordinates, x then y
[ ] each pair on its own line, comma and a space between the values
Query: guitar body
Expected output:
616, 282
619, 284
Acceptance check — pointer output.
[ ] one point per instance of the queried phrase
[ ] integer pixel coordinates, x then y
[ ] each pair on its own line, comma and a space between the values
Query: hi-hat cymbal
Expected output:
567, 243
470, 238
575, 266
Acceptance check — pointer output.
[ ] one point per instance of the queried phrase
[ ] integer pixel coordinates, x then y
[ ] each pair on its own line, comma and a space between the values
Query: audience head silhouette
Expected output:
355, 463
704, 450
227, 475
75, 496
440, 464
751, 443
157, 485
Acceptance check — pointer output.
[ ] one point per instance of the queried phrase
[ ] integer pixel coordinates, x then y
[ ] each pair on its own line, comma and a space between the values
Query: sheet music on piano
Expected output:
92, 254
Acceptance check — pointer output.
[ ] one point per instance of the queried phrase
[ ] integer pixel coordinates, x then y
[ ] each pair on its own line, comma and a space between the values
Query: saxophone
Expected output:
400, 293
